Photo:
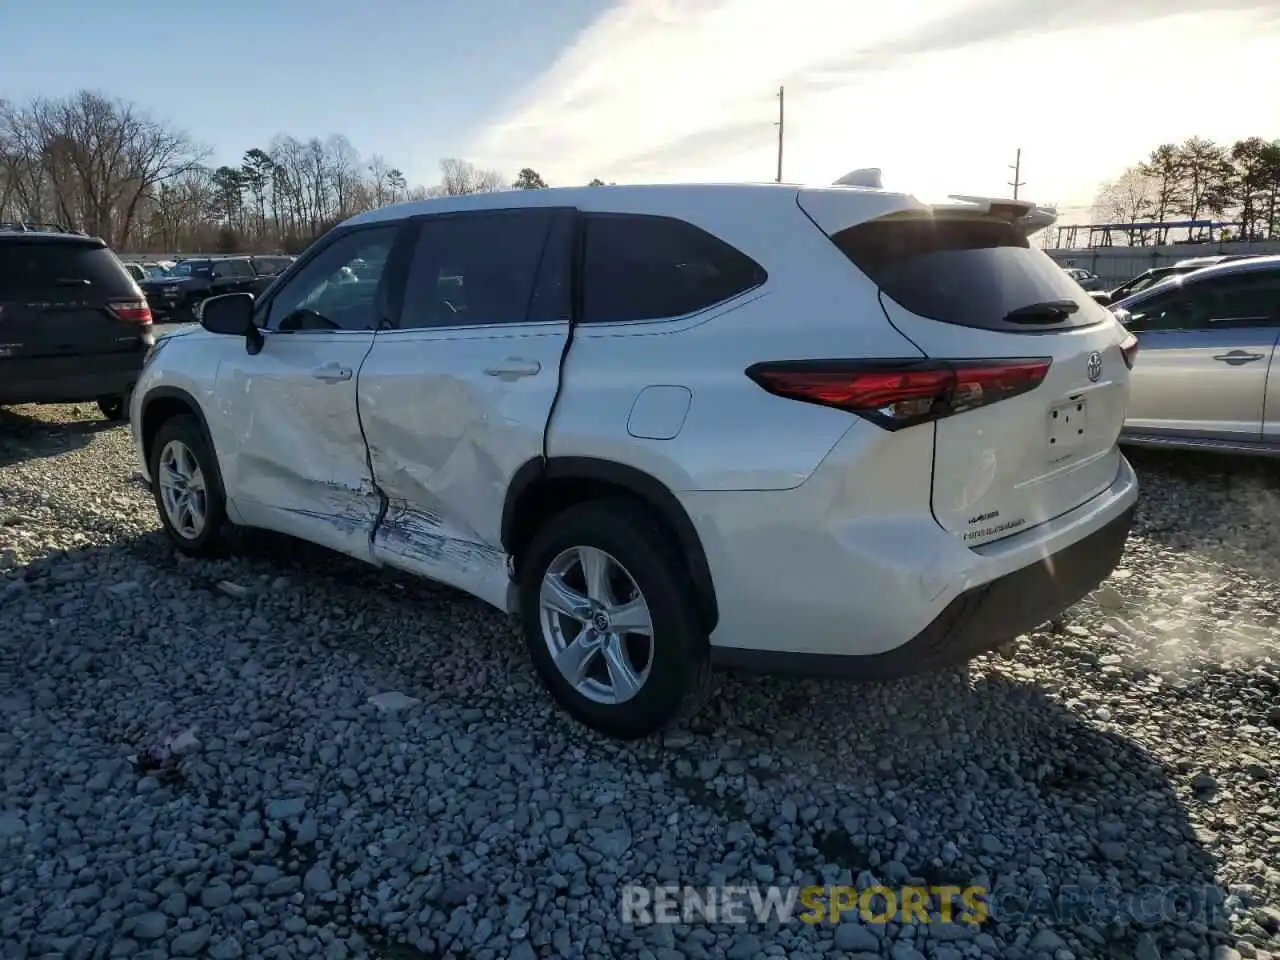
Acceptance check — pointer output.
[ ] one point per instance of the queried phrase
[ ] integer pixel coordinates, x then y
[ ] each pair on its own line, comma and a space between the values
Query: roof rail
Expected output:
34, 226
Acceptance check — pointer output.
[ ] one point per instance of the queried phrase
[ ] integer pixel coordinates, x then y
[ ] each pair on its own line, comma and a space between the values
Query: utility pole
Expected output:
1016, 167
779, 126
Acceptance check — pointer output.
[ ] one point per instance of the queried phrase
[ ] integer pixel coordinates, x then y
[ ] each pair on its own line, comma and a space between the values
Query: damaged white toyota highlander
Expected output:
823, 430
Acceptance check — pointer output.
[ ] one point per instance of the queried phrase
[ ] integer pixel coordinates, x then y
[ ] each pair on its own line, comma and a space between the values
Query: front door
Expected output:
1204, 353
299, 465
457, 397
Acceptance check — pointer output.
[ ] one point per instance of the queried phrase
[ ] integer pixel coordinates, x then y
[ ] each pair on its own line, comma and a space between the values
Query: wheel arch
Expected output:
160, 405
541, 488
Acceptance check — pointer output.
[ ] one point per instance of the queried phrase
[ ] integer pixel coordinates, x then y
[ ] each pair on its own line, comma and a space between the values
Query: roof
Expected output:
589, 198
50, 236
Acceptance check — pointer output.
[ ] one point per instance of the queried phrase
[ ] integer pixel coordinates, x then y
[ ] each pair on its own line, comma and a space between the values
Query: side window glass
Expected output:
221, 269
329, 293
1172, 311
1247, 300
650, 268
476, 269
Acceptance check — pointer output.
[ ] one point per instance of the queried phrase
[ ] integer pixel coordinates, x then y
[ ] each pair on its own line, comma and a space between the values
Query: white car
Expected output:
827, 430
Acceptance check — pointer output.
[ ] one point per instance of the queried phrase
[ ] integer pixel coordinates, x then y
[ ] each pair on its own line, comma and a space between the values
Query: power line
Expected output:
1016, 167
779, 126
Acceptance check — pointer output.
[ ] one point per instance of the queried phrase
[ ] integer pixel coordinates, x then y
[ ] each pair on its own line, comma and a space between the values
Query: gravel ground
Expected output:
191, 766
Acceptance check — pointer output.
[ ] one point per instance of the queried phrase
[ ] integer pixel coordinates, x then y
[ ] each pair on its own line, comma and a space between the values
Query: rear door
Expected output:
968, 288
456, 398
66, 297
1206, 348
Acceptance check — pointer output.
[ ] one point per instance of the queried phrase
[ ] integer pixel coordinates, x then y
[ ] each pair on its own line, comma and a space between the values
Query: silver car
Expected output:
1207, 343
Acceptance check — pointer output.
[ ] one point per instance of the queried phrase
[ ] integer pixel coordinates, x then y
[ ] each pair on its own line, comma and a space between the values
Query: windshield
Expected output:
155, 271
188, 268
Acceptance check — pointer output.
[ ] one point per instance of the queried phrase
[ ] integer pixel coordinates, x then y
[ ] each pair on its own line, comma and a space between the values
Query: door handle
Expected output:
513, 368
1238, 357
332, 373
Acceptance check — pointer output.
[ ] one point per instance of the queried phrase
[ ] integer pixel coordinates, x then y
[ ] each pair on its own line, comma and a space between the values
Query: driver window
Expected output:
1172, 311
338, 289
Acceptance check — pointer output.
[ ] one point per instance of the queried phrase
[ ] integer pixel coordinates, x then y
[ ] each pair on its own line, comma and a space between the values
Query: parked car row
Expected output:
176, 295
470, 389
75, 322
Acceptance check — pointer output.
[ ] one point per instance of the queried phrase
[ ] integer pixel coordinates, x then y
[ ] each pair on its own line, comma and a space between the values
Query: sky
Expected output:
940, 94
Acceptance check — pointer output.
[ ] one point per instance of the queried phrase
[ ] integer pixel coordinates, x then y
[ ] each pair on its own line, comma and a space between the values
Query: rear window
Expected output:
72, 270
640, 267
970, 271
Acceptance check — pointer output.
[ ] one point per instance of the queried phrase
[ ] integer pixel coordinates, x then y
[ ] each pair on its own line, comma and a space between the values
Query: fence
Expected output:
1115, 265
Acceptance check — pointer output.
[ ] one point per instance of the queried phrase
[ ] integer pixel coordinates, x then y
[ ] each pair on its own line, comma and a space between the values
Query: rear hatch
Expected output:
1038, 378
67, 296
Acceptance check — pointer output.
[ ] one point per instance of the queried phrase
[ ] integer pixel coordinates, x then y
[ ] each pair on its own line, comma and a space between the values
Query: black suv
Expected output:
175, 297
73, 324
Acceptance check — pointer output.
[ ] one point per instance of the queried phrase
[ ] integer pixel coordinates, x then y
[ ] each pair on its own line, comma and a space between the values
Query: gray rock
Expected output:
287, 808
191, 943
852, 936
150, 926
215, 896
317, 880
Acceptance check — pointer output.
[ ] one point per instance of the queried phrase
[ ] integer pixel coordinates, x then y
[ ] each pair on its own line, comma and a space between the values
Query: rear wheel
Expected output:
187, 486
114, 408
609, 620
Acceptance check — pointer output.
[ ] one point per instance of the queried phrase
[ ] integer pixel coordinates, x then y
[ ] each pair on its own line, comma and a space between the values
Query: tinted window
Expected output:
69, 270
971, 271
1241, 300
232, 268
483, 268
190, 268
650, 268
328, 294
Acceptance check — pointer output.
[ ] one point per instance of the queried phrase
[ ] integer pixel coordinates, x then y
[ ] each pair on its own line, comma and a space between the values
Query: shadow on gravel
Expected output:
1034, 803
24, 437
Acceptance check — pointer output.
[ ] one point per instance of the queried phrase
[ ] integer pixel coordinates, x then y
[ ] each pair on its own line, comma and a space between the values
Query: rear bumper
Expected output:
975, 622
847, 574
70, 379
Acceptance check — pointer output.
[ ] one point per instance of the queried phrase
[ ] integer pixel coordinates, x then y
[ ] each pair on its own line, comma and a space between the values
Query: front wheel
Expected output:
187, 486
610, 622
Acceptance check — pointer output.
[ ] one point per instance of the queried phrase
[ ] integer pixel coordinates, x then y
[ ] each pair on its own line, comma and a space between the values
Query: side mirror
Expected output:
231, 314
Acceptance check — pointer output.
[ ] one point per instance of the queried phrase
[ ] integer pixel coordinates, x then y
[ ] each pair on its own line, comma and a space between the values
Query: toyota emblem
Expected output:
1095, 366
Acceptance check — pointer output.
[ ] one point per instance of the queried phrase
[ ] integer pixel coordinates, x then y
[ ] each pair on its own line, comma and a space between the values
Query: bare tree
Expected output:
461, 177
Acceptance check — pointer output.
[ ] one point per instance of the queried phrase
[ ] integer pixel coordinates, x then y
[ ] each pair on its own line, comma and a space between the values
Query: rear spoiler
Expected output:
1027, 216
1024, 214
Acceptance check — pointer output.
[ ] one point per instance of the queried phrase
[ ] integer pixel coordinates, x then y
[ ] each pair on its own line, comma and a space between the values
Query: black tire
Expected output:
679, 672
115, 409
187, 430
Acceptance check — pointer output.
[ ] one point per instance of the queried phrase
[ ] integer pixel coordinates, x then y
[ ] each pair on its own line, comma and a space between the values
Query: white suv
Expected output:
816, 429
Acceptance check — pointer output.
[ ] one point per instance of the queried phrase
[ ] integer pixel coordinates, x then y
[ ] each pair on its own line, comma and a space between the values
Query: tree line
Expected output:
104, 166
1200, 180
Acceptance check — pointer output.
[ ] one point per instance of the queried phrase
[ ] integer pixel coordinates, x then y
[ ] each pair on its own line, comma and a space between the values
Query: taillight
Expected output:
136, 311
899, 393
1129, 349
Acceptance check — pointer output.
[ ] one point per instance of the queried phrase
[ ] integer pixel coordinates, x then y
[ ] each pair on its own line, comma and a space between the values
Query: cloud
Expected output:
939, 90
